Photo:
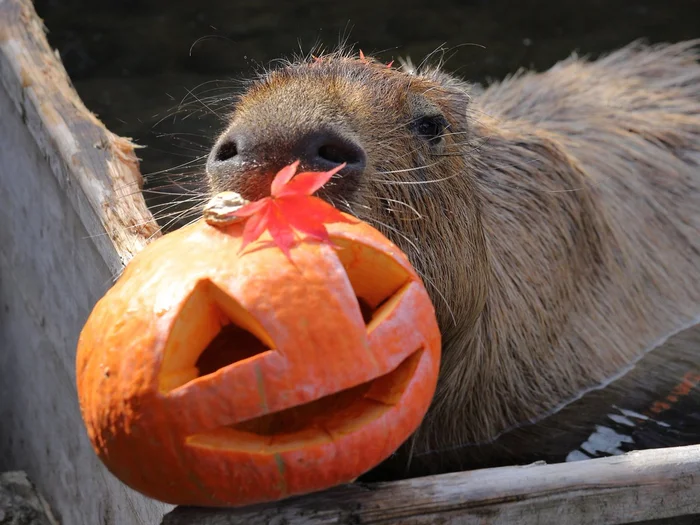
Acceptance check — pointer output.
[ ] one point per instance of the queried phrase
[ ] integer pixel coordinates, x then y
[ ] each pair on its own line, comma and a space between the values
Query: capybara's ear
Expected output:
448, 82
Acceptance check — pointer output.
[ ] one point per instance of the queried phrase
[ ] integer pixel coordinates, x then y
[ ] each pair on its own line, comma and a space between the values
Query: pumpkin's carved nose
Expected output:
245, 159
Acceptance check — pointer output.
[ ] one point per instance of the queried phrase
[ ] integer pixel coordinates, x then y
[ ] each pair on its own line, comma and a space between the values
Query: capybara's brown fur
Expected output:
555, 216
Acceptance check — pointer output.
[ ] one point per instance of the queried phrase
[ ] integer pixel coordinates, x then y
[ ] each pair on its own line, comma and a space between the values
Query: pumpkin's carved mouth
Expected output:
227, 334
321, 421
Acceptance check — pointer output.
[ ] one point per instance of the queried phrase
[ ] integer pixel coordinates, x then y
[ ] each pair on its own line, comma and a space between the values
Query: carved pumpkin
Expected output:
212, 377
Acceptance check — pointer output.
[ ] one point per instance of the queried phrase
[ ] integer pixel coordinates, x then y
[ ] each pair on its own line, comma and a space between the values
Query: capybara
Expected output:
554, 216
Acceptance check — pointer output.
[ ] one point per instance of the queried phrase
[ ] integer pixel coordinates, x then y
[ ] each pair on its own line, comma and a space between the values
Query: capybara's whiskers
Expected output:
416, 182
386, 228
417, 214
167, 205
190, 163
406, 170
185, 193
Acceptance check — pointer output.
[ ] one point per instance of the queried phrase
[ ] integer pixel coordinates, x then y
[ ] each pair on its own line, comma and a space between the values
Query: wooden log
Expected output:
637, 486
71, 215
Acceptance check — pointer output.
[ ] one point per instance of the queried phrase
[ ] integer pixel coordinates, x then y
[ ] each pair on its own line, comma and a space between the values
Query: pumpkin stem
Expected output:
221, 209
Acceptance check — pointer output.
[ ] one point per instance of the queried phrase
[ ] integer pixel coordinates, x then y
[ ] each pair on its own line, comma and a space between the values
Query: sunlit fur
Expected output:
557, 226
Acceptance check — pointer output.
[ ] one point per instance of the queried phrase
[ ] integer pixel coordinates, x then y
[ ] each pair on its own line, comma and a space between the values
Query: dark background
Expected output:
134, 62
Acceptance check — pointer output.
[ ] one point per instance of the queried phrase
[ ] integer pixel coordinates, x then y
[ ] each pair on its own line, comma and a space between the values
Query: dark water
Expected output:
133, 62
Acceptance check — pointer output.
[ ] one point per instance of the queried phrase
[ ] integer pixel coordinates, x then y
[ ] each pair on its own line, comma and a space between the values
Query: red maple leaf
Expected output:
291, 206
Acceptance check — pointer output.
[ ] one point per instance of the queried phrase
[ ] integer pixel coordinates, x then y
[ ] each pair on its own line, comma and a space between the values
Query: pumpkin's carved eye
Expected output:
232, 344
211, 332
374, 289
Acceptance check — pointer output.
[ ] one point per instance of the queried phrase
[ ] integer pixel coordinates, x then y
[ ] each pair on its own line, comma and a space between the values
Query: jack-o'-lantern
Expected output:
213, 376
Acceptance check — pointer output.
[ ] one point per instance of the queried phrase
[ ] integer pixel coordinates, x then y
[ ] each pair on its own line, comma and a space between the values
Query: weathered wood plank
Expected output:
20, 502
70, 216
642, 485
50, 276
96, 169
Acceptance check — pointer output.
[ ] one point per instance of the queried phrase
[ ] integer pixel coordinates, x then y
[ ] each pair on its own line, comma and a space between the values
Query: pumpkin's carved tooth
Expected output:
260, 383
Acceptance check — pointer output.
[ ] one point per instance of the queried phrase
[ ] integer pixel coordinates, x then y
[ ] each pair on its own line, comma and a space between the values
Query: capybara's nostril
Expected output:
327, 150
335, 154
226, 150
340, 153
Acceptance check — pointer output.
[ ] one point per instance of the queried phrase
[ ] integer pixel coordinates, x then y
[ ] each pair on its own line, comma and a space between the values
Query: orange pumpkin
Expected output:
212, 377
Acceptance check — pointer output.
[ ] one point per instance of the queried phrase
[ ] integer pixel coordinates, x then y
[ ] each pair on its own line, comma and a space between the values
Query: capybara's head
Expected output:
406, 140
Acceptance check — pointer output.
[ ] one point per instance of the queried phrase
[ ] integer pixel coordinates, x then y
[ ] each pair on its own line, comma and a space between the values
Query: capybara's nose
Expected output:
245, 160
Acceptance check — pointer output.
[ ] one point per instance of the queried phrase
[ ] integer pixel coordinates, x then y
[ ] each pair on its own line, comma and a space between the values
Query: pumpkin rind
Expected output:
183, 439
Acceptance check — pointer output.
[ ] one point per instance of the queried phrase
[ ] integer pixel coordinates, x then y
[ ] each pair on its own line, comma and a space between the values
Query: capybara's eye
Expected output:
431, 128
